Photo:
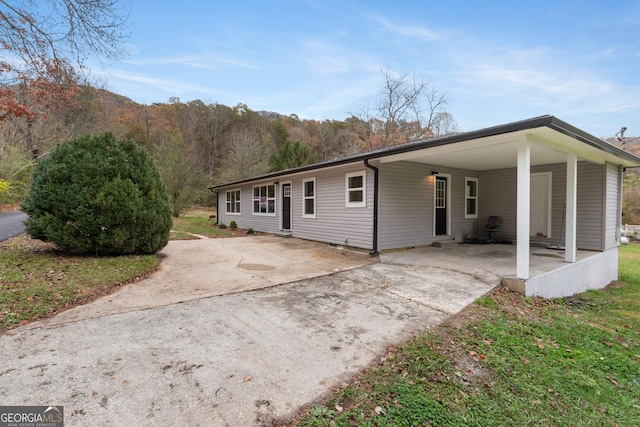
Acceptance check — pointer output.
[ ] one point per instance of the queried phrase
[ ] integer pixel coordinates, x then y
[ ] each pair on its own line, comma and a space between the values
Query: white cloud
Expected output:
545, 78
194, 61
407, 31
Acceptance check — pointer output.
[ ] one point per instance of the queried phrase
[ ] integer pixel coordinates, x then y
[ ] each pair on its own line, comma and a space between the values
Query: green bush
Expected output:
233, 225
99, 195
4, 186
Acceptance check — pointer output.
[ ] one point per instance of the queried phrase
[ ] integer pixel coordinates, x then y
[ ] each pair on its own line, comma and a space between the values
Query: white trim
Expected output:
305, 198
239, 200
267, 198
363, 203
282, 184
468, 197
447, 203
570, 213
523, 202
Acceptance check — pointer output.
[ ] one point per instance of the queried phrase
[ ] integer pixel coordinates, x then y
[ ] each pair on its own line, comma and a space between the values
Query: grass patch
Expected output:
38, 281
509, 360
198, 221
181, 235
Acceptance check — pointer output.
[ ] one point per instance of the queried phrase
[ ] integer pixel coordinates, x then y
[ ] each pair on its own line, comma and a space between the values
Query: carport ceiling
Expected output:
501, 151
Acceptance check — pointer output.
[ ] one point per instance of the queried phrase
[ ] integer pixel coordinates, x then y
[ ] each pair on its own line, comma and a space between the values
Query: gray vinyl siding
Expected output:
405, 217
334, 222
497, 191
406, 204
247, 219
589, 208
558, 196
612, 207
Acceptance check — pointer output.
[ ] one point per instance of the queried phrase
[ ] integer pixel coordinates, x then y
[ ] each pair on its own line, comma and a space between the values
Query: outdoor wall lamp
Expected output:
434, 173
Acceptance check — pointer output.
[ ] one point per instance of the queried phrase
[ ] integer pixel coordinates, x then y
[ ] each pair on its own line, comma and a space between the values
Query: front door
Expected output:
286, 206
441, 206
540, 207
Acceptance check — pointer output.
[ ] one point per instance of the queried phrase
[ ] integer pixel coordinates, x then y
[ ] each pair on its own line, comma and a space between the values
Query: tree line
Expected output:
45, 99
196, 144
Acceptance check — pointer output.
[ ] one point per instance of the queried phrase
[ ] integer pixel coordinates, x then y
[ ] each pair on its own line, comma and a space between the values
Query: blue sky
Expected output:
496, 61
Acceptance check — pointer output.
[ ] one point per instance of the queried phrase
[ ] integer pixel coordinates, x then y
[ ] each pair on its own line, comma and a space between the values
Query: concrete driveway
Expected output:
230, 332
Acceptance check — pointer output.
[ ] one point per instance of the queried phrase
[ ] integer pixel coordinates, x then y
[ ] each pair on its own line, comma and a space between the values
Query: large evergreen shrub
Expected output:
99, 195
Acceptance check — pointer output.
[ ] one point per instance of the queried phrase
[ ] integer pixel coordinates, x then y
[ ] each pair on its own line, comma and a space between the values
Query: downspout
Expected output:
374, 250
217, 204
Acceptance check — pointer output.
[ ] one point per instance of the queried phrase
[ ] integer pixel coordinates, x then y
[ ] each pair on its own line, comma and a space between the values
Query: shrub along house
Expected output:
545, 181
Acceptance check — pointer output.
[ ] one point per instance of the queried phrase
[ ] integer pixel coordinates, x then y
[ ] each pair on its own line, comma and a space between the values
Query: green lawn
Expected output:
509, 360
36, 280
198, 221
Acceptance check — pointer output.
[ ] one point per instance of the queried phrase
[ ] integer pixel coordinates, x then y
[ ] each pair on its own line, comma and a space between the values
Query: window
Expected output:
441, 193
471, 197
356, 189
309, 198
233, 202
264, 200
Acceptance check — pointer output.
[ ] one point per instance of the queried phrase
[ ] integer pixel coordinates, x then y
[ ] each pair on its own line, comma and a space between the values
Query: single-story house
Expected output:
540, 180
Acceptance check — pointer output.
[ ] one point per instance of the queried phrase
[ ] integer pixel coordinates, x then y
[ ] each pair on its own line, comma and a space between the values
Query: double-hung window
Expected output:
471, 197
233, 202
356, 189
264, 200
309, 198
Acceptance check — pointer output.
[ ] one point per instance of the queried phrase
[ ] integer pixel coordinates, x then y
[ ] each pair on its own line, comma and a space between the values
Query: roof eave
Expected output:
533, 123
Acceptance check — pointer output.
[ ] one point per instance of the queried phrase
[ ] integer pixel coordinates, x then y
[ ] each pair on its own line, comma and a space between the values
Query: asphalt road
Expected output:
11, 224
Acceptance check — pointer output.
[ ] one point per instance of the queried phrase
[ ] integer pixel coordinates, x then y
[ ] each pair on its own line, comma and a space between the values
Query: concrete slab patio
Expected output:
212, 339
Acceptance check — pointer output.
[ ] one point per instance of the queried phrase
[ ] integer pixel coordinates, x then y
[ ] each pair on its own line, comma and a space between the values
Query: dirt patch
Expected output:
4, 208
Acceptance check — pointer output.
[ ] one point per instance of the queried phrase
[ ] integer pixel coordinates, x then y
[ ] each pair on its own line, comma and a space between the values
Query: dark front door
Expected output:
286, 206
441, 205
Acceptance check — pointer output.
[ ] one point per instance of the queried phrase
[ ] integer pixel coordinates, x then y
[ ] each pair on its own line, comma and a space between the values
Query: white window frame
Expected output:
468, 197
237, 201
305, 197
258, 199
348, 190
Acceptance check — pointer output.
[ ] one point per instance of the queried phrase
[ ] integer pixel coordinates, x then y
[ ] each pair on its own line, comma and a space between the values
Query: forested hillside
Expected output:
196, 145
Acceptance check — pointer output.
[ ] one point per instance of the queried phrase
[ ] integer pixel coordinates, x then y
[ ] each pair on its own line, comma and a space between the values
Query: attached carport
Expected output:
511, 153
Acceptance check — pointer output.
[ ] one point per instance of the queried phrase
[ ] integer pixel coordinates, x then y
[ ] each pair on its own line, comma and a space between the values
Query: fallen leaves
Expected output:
477, 356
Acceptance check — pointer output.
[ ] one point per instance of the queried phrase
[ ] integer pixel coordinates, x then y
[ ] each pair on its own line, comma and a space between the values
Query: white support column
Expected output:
523, 209
570, 208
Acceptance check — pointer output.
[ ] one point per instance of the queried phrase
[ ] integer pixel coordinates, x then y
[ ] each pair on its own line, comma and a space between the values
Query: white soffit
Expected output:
501, 151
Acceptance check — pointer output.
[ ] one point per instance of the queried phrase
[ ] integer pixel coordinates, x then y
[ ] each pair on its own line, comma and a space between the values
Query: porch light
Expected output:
434, 173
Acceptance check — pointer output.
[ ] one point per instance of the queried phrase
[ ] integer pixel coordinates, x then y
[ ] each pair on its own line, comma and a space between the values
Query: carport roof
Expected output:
485, 149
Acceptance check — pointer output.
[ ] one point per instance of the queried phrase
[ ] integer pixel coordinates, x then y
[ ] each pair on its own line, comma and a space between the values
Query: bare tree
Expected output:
44, 42
409, 108
248, 155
